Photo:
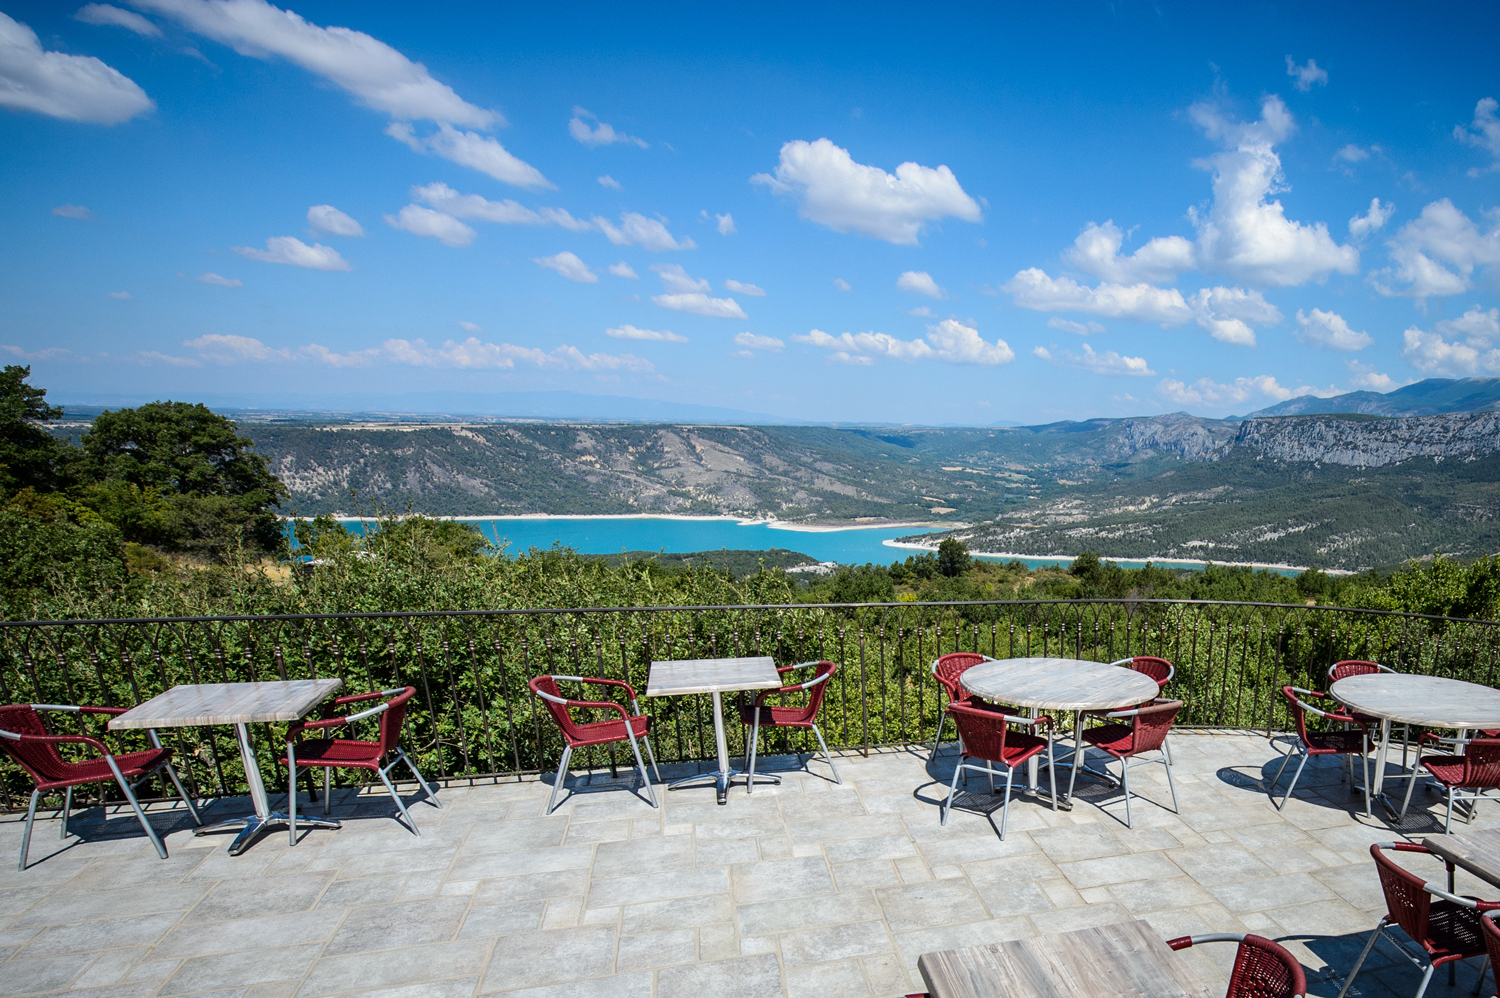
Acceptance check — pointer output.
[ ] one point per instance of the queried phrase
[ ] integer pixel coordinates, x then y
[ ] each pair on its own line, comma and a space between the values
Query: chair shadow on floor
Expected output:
96, 823
1385, 973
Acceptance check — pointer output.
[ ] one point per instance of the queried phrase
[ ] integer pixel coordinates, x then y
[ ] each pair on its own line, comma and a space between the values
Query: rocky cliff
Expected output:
1370, 443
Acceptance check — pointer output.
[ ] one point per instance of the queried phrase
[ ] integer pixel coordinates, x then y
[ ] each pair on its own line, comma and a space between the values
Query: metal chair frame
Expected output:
1010, 769
1454, 796
1386, 921
943, 714
127, 788
1295, 694
1249, 942
380, 771
1374, 667
755, 726
1126, 766
565, 703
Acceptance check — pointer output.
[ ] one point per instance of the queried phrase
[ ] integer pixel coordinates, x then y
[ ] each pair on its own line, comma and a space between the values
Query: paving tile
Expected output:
807, 913
991, 930
1078, 917
936, 902
134, 871
1078, 842
1219, 864
656, 949
682, 913
530, 887
521, 861
770, 880
837, 942
1015, 898
618, 986
830, 980
462, 987
570, 954
1156, 895
658, 886
502, 919
49, 973
194, 938
60, 908
406, 923
231, 970
859, 850
1118, 869
263, 896
83, 937
871, 873
643, 856
1269, 892
370, 890
391, 968
740, 977
519, 833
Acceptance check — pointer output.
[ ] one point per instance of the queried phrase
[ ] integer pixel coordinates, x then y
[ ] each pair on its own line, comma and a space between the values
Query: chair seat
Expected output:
1449, 771
132, 766
338, 752
778, 717
1116, 739
1453, 931
604, 732
1335, 742
1018, 748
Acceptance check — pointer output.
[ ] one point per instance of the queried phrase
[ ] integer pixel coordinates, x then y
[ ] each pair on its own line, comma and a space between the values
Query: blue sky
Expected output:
866, 213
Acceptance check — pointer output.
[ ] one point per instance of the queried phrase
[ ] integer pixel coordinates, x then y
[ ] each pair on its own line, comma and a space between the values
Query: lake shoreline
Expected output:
1125, 562
817, 527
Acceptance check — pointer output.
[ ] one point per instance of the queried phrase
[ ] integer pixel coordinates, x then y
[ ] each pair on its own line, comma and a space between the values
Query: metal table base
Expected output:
724, 775
264, 818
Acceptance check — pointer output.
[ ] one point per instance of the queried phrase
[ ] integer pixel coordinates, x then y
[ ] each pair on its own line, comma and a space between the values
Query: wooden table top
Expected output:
1430, 701
711, 675
228, 703
1059, 684
1477, 851
1125, 960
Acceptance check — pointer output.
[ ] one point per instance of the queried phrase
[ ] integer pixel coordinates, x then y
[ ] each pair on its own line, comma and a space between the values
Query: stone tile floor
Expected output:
809, 889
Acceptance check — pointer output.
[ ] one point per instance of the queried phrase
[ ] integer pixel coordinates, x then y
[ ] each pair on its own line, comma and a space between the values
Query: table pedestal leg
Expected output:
1377, 787
724, 774
264, 818
1032, 766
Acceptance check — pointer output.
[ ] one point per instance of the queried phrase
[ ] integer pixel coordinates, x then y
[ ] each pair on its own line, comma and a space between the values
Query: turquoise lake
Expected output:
611, 535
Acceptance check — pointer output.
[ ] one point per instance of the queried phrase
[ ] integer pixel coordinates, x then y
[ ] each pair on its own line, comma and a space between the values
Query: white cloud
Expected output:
1306, 75
1245, 234
949, 341
1436, 253
726, 224
628, 332
327, 218
1033, 289
471, 327
375, 74
846, 196
77, 211
1458, 347
1365, 376
122, 295
225, 349
1081, 328
745, 289
599, 135
841, 284
150, 355
1484, 134
507, 212
638, 230
569, 266
293, 251
46, 353
751, 341
1361, 226
701, 304
623, 269
224, 282
1228, 313
72, 87
920, 310
1108, 362
1352, 153
1206, 391
475, 354
103, 13
1329, 331
610, 182
427, 223
919, 282
477, 152
676, 279
1097, 251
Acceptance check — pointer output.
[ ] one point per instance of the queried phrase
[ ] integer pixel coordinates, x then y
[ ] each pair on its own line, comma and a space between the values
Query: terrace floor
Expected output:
809, 889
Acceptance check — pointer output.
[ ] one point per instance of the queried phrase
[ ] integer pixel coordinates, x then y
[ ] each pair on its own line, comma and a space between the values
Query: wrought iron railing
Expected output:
474, 718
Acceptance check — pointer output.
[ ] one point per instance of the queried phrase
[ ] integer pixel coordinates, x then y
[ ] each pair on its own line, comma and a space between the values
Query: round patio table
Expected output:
1427, 701
1059, 684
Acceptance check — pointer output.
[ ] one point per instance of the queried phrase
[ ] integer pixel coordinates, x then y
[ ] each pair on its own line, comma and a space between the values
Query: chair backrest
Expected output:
1158, 669
1482, 763
1407, 902
1148, 729
392, 719
949, 667
1355, 667
1265, 969
983, 731
41, 761
559, 712
1299, 709
815, 694
1491, 933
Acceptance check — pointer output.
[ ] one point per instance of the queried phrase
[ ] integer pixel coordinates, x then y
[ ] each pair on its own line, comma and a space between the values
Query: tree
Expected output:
30, 457
953, 558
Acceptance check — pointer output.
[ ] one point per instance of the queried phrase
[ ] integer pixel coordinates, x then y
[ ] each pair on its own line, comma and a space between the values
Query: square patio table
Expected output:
1477, 851
239, 704
1124, 960
716, 676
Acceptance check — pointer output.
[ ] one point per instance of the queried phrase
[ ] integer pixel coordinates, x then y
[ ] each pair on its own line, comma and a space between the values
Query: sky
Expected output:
968, 215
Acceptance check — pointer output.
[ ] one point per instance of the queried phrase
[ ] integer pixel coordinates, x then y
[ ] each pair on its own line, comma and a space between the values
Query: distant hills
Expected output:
1431, 397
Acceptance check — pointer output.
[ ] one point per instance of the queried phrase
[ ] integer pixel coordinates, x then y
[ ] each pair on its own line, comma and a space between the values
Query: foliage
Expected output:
952, 557
30, 457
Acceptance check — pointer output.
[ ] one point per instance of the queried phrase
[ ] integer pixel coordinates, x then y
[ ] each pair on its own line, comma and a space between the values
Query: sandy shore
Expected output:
741, 521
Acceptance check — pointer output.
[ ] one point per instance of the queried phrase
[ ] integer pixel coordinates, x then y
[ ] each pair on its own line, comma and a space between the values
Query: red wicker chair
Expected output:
986, 736
1361, 667
633, 726
1447, 929
762, 715
1491, 933
1347, 741
1263, 968
1478, 769
947, 669
1146, 732
349, 753
25, 737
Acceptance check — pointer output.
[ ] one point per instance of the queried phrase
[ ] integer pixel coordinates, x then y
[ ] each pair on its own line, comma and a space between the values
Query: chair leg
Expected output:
26, 835
641, 765
1125, 783
1427, 979
651, 754
431, 794
947, 804
1271, 787
1295, 777
399, 803
327, 788
941, 718
1010, 774
754, 740
1080, 756
67, 806
1365, 953
1448, 824
161, 850
1484, 968
1051, 772
182, 791
1406, 801
1167, 759
827, 755
291, 796
562, 775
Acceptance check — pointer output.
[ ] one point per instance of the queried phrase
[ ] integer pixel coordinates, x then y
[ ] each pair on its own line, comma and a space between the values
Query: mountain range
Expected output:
1423, 398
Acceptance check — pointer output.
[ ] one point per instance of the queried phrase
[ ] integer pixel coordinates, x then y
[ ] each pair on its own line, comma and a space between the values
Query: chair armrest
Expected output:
601, 681
1473, 904
15, 736
1030, 722
357, 697
599, 704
